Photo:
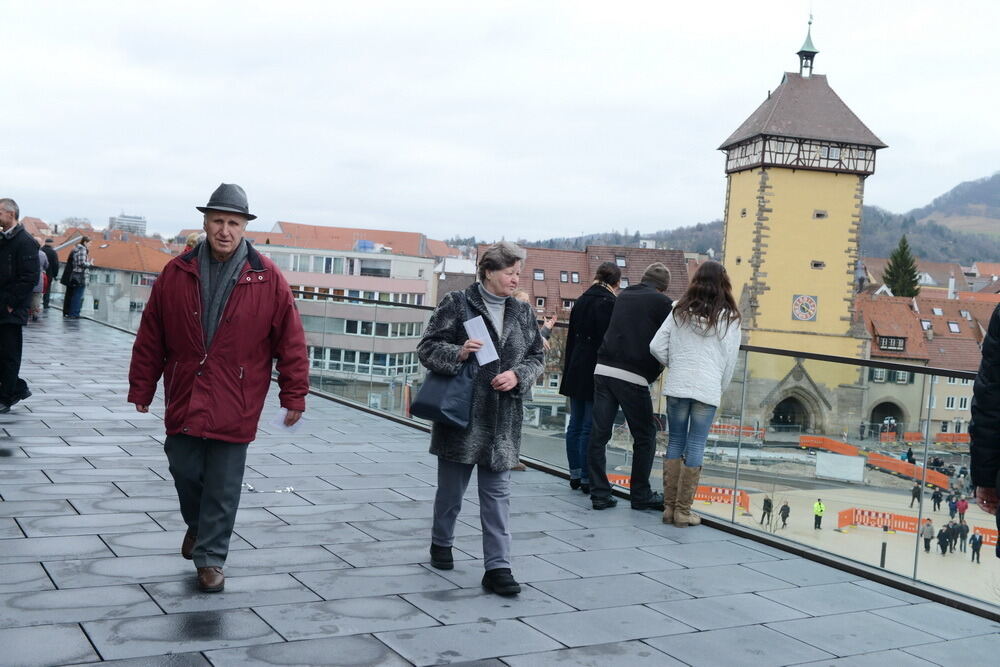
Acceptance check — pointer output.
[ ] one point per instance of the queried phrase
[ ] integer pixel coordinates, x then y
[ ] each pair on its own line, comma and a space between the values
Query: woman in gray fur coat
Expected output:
492, 441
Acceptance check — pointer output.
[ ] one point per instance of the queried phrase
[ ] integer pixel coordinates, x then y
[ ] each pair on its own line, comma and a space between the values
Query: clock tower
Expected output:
796, 171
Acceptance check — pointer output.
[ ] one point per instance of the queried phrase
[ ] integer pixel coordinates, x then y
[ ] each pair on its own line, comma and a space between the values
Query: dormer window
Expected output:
953, 327
539, 274
620, 260
623, 283
925, 324
891, 343
564, 276
937, 311
575, 277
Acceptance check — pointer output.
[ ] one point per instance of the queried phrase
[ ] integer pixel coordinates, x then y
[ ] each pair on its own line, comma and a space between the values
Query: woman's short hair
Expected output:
499, 256
85, 239
608, 273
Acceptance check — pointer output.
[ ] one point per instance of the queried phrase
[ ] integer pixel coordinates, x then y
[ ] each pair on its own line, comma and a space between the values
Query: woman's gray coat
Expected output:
493, 437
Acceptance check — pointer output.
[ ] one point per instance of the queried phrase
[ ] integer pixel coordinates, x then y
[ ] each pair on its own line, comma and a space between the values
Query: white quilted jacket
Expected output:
700, 363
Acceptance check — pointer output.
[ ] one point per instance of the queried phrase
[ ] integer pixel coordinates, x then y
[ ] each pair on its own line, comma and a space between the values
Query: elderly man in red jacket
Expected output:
217, 317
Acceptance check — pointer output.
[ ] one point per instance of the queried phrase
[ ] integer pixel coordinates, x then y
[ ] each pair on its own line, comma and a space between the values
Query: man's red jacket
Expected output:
219, 392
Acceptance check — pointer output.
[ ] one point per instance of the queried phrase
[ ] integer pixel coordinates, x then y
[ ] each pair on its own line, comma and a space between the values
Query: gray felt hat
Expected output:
228, 197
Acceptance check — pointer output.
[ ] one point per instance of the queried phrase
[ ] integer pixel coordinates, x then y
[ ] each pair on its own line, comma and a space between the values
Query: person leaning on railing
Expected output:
984, 428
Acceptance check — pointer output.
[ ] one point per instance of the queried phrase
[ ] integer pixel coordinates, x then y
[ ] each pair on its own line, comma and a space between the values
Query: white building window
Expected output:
891, 343
902, 377
949, 403
878, 375
963, 402
564, 276
952, 380
553, 380
925, 324
567, 304
966, 381
937, 311
953, 327
575, 277
539, 274
620, 260
540, 302
624, 282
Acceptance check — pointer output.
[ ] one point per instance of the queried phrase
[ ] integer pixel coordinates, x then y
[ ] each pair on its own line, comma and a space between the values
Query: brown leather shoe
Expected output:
211, 579
187, 546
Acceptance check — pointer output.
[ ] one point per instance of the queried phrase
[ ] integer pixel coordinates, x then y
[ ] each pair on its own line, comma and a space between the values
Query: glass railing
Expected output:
793, 428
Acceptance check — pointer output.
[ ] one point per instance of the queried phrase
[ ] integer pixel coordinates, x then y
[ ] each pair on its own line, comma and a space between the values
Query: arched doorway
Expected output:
791, 415
887, 417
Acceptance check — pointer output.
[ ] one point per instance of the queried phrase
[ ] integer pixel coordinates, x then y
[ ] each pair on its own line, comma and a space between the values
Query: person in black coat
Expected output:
588, 322
18, 277
625, 369
984, 428
52, 270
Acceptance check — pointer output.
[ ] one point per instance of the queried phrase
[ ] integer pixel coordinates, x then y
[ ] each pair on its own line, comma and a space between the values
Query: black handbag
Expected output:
447, 399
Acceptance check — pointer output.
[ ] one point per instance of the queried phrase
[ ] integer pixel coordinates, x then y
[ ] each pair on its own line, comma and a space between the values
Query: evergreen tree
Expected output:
900, 273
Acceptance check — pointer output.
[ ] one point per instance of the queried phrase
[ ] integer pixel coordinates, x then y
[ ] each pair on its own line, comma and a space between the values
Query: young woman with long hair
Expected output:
699, 343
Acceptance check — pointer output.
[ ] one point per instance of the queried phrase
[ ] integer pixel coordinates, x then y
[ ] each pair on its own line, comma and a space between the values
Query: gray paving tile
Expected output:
704, 554
301, 535
46, 645
353, 496
896, 658
402, 529
802, 572
28, 549
278, 469
88, 524
354, 651
465, 605
468, 641
9, 529
752, 645
608, 561
102, 475
200, 631
526, 569
23, 477
24, 577
888, 590
940, 621
421, 509
74, 605
831, 599
170, 660
395, 552
717, 580
529, 522
184, 596
726, 611
336, 618
322, 458
298, 483
631, 653
851, 634
162, 542
57, 491
246, 517
981, 650
613, 591
612, 537
687, 535
164, 488
376, 481
304, 514
373, 581
604, 626
522, 544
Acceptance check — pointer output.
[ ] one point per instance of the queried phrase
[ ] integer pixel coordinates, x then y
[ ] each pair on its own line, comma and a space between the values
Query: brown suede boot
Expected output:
688, 486
671, 476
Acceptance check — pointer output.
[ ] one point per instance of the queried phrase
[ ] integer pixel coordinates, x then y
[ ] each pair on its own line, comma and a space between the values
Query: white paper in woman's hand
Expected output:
476, 329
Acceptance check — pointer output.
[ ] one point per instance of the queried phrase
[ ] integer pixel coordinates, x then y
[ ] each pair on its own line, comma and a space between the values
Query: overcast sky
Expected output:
527, 120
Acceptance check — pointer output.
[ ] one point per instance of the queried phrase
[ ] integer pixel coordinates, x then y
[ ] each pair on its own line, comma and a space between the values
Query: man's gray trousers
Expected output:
208, 476
494, 509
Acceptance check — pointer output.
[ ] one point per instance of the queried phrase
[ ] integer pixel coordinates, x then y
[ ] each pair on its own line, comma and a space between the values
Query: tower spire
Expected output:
807, 52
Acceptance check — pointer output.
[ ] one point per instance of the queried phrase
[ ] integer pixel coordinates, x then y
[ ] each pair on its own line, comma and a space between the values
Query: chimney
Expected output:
930, 333
951, 285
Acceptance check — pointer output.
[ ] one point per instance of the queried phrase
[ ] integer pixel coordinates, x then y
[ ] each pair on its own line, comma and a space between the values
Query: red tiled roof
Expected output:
951, 311
940, 272
987, 268
954, 353
36, 227
892, 316
123, 256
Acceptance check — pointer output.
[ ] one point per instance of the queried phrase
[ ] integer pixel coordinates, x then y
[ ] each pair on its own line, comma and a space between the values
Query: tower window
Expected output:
738, 260
743, 213
816, 264
540, 302
820, 215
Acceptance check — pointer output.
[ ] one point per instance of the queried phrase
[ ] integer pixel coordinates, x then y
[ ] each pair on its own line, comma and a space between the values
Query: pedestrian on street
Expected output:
952, 535
942, 540
963, 535
216, 368
952, 507
625, 369
588, 322
818, 510
915, 494
18, 276
927, 533
783, 512
39, 289
52, 271
75, 276
700, 342
491, 442
765, 517
976, 542
962, 506
936, 498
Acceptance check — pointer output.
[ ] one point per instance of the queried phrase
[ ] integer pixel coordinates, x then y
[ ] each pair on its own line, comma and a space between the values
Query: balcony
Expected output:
328, 562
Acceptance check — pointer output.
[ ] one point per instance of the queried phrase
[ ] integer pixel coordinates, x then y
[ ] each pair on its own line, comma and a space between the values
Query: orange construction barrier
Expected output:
875, 460
709, 494
857, 516
735, 429
913, 436
989, 535
887, 437
828, 444
620, 480
952, 437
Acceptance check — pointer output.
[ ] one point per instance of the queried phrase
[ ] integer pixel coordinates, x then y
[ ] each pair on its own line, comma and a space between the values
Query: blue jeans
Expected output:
76, 301
688, 421
578, 437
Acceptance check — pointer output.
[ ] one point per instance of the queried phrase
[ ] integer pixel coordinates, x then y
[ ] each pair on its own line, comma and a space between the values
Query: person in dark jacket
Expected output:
984, 428
942, 540
491, 442
936, 498
52, 270
588, 322
75, 278
963, 535
765, 517
217, 318
783, 512
625, 369
976, 542
18, 277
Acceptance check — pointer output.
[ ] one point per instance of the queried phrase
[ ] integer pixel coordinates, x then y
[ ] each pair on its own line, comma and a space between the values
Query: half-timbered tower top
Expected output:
803, 124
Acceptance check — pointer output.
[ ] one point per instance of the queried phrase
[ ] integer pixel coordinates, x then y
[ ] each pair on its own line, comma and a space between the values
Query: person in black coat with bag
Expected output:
984, 429
588, 322
18, 276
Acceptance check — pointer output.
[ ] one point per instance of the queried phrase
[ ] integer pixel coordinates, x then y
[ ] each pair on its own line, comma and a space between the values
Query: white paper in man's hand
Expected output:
278, 423
476, 329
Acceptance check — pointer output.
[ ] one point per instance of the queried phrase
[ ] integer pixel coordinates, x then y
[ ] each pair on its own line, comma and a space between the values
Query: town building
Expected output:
796, 171
134, 224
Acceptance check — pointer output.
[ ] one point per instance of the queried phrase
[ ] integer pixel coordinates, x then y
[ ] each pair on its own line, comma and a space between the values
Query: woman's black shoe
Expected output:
501, 582
585, 488
574, 484
441, 558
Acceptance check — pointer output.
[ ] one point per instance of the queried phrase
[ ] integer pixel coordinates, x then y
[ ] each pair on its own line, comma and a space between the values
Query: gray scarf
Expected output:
217, 282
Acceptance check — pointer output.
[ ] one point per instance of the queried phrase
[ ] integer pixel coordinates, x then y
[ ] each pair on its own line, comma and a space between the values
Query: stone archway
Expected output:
796, 411
887, 416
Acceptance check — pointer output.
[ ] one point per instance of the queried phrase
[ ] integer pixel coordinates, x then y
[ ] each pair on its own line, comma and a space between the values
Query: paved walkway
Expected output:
328, 565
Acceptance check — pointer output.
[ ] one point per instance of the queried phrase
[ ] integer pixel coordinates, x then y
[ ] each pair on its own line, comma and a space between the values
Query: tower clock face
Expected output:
804, 308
